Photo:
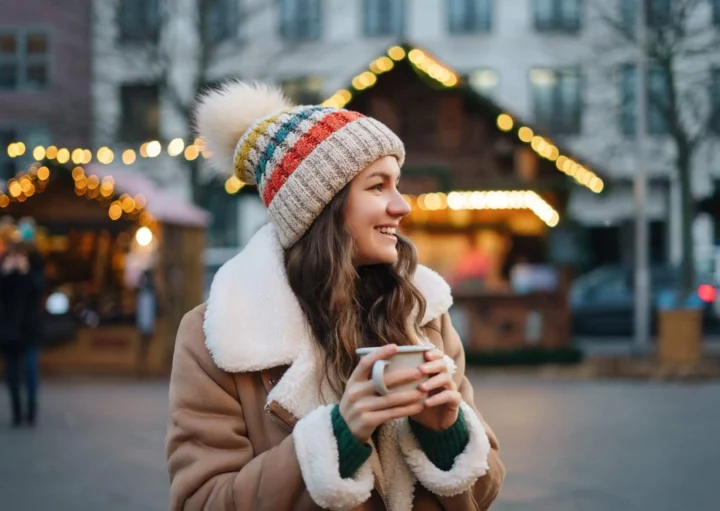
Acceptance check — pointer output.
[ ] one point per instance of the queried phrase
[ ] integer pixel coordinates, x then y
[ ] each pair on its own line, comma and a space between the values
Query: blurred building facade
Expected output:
45, 77
550, 62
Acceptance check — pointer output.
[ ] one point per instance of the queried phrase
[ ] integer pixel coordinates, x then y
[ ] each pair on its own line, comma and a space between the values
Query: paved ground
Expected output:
567, 445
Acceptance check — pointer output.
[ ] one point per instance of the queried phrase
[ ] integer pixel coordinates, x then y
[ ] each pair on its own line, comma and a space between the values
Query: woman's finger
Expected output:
433, 354
440, 381
392, 400
389, 414
434, 367
402, 376
447, 397
364, 368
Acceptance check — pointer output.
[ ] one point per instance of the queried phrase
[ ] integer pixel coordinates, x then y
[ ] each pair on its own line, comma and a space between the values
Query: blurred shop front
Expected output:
489, 195
109, 237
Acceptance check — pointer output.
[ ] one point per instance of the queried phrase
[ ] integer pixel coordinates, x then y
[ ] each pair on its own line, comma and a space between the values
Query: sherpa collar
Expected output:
253, 319
253, 322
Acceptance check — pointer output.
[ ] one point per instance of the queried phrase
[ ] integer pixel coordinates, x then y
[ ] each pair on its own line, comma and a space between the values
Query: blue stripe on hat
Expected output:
281, 134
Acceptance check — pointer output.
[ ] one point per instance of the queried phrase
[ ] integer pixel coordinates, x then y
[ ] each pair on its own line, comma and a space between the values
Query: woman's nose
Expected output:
398, 206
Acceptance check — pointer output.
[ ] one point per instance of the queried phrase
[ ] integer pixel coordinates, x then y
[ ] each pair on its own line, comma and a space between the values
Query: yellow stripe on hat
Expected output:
249, 142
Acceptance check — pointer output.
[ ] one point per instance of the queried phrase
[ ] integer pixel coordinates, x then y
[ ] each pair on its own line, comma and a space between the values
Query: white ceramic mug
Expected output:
407, 357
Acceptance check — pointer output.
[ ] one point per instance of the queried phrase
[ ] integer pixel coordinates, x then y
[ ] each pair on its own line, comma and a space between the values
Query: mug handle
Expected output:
378, 377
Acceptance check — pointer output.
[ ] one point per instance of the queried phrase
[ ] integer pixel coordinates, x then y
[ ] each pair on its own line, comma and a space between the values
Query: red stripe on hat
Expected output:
302, 149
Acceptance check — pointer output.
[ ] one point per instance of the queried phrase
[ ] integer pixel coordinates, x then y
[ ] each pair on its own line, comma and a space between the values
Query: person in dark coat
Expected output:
22, 282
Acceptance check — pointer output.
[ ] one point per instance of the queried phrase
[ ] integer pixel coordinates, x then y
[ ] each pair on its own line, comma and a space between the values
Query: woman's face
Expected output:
373, 212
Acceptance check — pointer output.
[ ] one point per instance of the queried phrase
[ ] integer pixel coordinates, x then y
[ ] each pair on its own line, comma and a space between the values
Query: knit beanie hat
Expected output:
299, 157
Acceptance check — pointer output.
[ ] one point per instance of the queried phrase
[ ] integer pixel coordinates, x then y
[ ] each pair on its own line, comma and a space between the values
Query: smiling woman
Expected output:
271, 406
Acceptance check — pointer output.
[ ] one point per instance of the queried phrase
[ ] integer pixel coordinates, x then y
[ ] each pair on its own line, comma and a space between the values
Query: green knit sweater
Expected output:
441, 447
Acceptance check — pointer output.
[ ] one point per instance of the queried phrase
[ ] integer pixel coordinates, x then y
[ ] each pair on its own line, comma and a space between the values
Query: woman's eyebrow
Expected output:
382, 174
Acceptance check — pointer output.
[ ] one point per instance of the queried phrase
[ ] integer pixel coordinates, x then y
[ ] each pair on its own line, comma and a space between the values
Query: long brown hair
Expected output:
347, 307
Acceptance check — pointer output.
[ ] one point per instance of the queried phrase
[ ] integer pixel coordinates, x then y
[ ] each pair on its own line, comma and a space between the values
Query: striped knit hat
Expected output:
298, 156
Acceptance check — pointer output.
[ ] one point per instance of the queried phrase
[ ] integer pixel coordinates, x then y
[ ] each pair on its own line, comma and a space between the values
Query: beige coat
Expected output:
248, 429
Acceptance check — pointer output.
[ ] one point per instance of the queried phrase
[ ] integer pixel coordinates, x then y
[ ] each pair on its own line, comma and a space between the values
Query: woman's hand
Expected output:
364, 410
441, 409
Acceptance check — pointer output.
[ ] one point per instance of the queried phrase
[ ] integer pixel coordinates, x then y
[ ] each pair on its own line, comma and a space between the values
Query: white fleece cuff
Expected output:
469, 465
317, 452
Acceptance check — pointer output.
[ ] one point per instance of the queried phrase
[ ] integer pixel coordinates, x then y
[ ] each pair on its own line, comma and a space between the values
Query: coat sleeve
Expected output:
211, 461
475, 479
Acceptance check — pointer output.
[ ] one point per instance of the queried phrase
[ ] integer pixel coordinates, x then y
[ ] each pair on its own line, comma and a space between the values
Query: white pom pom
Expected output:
224, 114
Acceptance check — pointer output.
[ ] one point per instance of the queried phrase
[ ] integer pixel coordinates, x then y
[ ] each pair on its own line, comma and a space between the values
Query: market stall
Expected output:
105, 234
489, 193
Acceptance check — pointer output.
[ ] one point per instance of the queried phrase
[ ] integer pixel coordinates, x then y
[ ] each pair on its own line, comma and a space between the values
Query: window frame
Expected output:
127, 36
372, 26
558, 23
292, 31
123, 130
22, 60
715, 100
558, 127
229, 14
631, 111
464, 7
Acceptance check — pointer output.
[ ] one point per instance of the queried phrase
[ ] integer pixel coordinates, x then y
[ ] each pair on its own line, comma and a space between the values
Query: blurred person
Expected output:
22, 284
145, 315
270, 408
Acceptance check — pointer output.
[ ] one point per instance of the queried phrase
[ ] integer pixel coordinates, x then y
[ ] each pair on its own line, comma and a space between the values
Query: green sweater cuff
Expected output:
353, 453
442, 447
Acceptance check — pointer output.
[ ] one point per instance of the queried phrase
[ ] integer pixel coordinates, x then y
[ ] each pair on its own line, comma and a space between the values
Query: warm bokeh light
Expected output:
39, 153
128, 156
78, 156
176, 146
143, 236
191, 152
43, 173
153, 149
233, 185
63, 156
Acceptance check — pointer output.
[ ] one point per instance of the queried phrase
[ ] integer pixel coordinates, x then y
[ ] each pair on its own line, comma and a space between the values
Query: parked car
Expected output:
602, 301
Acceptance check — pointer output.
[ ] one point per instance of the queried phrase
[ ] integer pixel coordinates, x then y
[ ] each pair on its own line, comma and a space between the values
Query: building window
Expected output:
304, 90
657, 13
139, 20
300, 19
557, 15
31, 136
24, 59
384, 17
658, 101
628, 100
223, 208
483, 81
220, 20
140, 113
715, 101
469, 16
556, 96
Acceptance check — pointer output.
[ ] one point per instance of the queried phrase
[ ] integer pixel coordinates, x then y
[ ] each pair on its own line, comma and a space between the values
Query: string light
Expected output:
153, 149
176, 146
233, 185
128, 157
484, 200
419, 59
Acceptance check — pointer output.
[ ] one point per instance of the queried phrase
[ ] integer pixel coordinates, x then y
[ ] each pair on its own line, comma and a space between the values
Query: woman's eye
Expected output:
378, 187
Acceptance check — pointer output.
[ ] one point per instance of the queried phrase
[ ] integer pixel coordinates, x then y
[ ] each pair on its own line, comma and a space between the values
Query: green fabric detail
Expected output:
353, 453
442, 447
